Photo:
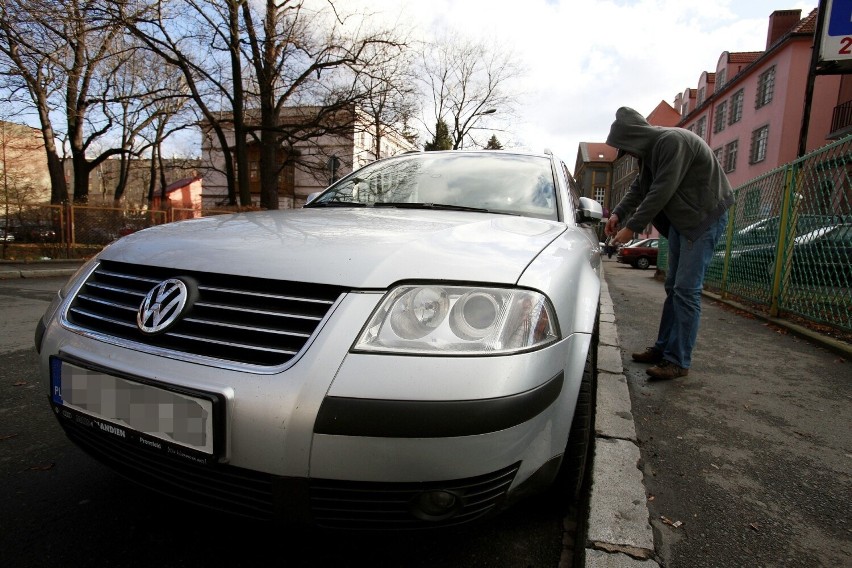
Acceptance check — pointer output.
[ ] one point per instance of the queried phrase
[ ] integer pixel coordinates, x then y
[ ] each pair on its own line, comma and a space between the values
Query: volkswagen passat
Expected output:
413, 348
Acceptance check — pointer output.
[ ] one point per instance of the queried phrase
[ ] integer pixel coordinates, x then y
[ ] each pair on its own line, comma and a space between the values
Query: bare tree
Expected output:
324, 60
466, 80
144, 106
201, 38
33, 76
68, 56
391, 96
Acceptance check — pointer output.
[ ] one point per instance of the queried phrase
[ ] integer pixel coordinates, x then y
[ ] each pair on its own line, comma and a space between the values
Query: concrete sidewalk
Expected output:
746, 462
38, 268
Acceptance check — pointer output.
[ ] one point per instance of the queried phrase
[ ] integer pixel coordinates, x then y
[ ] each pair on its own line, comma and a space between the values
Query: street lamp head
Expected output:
489, 111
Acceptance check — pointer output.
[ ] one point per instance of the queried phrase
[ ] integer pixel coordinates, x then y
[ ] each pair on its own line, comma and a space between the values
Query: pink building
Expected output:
750, 109
182, 198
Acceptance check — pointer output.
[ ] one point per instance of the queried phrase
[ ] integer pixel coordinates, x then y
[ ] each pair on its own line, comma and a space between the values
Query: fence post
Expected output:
789, 212
65, 218
729, 237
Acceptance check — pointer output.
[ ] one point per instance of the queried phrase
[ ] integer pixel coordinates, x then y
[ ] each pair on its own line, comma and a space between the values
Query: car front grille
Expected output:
388, 506
239, 319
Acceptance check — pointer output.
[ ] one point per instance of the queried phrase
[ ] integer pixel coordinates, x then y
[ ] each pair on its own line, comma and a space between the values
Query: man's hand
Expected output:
622, 236
611, 225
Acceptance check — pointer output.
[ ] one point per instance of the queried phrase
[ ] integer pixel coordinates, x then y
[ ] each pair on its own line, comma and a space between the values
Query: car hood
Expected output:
359, 248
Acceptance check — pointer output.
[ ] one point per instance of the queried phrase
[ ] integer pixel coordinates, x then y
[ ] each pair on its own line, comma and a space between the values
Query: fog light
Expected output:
436, 505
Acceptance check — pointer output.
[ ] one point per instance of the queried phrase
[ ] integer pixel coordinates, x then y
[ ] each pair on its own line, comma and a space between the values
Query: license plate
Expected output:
125, 409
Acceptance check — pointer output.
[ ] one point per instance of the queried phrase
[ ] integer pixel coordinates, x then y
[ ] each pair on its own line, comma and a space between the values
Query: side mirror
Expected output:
590, 211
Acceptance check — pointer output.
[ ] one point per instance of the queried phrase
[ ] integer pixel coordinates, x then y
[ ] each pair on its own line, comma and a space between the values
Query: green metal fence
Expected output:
788, 247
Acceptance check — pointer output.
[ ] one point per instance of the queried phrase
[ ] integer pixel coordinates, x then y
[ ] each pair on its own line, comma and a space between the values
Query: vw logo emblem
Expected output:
162, 306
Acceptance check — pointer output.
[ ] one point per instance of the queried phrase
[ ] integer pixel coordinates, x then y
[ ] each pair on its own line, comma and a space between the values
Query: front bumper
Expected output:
351, 440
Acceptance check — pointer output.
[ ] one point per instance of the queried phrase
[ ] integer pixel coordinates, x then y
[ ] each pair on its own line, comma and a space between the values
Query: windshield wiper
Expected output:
443, 206
335, 204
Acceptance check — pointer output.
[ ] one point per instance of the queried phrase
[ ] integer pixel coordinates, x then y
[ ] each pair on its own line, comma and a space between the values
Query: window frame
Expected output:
736, 113
765, 88
731, 150
701, 127
719, 116
759, 144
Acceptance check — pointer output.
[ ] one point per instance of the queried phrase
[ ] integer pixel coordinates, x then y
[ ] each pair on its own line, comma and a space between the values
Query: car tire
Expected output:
572, 472
643, 263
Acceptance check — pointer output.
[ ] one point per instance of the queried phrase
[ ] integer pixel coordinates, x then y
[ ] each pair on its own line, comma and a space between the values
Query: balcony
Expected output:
841, 121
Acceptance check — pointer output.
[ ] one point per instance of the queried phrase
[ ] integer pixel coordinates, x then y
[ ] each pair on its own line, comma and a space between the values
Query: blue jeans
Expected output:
688, 262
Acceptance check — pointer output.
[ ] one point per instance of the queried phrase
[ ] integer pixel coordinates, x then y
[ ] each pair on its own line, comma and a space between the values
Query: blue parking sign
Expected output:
835, 43
840, 18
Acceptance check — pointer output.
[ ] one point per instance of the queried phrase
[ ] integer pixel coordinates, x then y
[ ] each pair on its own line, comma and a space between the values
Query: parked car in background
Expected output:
35, 233
640, 254
822, 256
412, 349
766, 231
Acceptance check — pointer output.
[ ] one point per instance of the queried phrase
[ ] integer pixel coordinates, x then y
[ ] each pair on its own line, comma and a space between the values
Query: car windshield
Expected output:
493, 182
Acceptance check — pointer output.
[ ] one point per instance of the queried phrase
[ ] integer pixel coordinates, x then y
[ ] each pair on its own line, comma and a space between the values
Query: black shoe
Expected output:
666, 370
650, 355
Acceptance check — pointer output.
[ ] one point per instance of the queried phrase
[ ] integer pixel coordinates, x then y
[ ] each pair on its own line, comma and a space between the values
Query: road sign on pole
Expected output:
836, 40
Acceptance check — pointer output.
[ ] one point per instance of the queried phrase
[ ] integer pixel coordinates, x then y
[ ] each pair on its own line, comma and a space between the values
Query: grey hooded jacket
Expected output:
680, 180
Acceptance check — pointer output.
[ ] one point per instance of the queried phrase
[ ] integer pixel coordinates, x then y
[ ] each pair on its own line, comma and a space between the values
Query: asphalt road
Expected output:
58, 507
748, 461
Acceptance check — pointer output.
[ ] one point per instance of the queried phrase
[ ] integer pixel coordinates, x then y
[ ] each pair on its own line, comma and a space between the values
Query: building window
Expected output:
729, 163
701, 126
701, 95
765, 88
600, 194
719, 117
721, 76
736, 107
759, 139
718, 153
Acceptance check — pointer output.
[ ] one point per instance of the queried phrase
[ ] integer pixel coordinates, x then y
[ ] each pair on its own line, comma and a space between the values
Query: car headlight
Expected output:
459, 320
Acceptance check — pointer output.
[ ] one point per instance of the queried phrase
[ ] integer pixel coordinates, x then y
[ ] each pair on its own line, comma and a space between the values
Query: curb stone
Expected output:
600, 559
619, 534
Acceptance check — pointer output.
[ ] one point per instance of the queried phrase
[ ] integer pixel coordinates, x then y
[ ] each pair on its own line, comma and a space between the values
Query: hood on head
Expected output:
631, 133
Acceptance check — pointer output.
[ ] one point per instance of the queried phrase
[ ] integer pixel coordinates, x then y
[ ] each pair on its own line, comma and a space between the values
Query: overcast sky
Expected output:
585, 58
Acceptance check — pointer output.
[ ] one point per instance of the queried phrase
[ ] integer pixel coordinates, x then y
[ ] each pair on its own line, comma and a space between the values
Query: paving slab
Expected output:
618, 512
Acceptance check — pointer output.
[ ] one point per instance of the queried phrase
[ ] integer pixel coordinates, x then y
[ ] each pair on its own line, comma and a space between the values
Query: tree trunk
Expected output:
240, 146
81, 176
270, 169
58, 183
123, 175
152, 171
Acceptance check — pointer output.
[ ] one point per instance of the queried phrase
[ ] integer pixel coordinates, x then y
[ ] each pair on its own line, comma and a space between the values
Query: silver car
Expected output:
413, 348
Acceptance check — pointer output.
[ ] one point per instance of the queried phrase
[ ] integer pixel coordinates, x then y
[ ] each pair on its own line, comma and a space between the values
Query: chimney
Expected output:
781, 22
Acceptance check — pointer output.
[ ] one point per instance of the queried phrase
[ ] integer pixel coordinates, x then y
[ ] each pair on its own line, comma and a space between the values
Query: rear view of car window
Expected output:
498, 182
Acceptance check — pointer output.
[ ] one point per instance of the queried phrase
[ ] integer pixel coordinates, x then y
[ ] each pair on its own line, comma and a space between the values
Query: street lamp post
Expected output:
468, 126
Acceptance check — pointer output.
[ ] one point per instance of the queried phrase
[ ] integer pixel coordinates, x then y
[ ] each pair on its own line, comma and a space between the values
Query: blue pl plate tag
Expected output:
170, 416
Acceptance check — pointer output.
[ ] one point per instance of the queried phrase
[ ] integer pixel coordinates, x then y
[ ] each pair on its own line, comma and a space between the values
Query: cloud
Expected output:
587, 58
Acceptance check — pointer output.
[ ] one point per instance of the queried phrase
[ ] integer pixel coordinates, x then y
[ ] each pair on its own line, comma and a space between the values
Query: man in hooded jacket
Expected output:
682, 189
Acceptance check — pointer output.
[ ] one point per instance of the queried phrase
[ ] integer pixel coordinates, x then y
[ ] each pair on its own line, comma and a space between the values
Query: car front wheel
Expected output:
569, 480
